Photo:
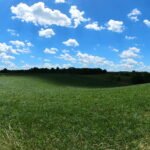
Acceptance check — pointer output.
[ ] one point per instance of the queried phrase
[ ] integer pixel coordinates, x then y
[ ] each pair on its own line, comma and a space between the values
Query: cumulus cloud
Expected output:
132, 52
130, 64
47, 33
20, 46
4, 47
9, 64
77, 16
18, 43
71, 42
147, 22
130, 61
60, 1
94, 26
134, 14
115, 26
6, 52
87, 59
15, 47
67, 57
5, 56
39, 14
50, 50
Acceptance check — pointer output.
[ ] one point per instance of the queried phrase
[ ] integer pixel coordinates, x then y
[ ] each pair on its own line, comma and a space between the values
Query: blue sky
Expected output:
110, 34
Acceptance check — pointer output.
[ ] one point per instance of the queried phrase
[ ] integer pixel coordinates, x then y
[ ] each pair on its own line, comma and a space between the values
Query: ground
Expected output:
63, 112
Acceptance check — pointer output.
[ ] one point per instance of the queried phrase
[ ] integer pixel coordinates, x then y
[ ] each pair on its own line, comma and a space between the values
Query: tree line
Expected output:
134, 77
70, 70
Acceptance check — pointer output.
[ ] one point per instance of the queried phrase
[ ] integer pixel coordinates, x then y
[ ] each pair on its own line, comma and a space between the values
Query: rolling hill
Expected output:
59, 112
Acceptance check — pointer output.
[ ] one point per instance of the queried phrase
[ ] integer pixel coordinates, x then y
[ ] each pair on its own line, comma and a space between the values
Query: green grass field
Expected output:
63, 112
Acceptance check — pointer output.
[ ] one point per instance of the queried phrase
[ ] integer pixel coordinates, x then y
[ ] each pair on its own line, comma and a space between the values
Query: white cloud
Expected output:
134, 14
50, 50
77, 16
132, 52
18, 43
94, 26
49, 65
130, 37
46, 65
4, 47
115, 26
60, 1
5, 56
71, 42
47, 33
20, 46
27, 66
6, 52
130, 61
12, 32
39, 14
67, 57
130, 64
15, 47
29, 44
65, 66
87, 59
9, 64
147, 22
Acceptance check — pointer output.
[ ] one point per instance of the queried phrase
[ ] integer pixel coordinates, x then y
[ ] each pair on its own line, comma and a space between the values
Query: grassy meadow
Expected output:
73, 112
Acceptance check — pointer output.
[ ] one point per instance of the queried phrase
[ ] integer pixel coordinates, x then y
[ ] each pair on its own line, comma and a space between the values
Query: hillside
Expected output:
50, 112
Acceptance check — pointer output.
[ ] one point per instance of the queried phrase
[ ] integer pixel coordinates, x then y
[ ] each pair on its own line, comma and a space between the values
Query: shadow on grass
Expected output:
87, 81
75, 80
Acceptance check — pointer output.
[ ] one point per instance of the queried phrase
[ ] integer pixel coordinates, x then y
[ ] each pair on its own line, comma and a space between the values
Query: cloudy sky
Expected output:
110, 34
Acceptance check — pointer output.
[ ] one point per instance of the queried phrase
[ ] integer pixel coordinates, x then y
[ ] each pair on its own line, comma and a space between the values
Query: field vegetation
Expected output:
73, 112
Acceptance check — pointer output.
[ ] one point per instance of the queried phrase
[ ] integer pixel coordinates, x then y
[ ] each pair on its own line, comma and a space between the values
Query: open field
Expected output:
62, 112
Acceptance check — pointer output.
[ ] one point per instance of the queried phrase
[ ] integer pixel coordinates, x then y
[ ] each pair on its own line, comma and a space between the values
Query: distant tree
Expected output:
4, 70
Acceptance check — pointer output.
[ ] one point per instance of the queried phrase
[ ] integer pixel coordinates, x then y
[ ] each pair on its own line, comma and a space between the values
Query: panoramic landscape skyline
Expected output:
112, 35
